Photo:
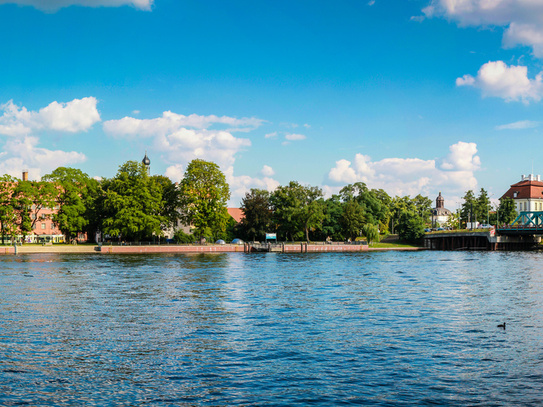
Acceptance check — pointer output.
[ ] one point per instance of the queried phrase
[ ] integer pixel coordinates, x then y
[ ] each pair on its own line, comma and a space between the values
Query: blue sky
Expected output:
410, 96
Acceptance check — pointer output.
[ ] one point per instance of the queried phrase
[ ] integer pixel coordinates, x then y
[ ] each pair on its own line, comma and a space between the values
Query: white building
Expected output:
527, 194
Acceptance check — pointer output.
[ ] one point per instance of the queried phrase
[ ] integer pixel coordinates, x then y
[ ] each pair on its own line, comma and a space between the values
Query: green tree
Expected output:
331, 225
410, 227
170, 200
132, 204
507, 211
297, 209
371, 232
483, 206
203, 196
75, 193
468, 213
423, 207
352, 219
257, 214
8, 214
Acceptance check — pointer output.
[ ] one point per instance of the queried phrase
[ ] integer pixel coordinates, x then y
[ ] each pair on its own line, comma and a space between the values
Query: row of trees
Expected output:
131, 206
479, 209
134, 206
298, 212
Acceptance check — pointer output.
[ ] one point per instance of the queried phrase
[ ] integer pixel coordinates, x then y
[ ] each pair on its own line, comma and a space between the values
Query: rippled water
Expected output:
272, 329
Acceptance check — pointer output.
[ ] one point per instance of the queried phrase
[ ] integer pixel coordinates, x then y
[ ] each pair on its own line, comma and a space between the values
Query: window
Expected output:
43, 225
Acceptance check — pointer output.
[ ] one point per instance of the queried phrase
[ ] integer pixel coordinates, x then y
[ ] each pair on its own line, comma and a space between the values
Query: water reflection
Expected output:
292, 329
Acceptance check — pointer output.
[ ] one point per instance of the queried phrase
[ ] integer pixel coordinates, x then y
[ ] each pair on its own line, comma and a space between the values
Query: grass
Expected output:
391, 245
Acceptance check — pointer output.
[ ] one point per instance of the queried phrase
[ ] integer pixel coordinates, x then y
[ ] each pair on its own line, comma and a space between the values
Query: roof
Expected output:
236, 213
525, 189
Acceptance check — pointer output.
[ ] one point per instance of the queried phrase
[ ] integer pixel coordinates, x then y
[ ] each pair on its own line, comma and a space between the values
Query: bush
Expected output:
182, 237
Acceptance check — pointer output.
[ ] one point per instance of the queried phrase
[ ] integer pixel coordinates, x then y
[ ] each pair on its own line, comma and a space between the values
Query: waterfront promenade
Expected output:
135, 249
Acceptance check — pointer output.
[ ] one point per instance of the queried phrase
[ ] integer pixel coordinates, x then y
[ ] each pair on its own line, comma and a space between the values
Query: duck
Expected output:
502, 325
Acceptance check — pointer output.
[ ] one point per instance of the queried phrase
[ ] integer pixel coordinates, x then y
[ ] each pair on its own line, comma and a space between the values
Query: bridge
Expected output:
526, 223
524, 233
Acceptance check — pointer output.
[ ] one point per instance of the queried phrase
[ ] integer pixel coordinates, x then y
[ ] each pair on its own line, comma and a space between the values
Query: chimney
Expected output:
25, 175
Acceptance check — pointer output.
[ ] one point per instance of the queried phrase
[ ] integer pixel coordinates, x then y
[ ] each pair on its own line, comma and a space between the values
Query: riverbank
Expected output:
289, 248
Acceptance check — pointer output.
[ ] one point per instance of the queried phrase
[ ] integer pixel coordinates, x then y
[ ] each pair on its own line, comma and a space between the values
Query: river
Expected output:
381, 328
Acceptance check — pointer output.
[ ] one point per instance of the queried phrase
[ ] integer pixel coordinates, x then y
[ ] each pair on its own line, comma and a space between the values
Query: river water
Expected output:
387, 328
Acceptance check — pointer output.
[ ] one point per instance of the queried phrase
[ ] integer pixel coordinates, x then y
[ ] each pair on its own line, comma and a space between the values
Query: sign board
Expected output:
270, 236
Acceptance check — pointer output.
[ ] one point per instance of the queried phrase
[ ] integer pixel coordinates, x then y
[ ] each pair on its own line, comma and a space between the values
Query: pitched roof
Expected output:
525, 189
236, 213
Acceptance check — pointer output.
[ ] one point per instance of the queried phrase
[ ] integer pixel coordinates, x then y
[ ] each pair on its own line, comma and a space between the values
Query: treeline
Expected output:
298, 212
479, 209
135, 206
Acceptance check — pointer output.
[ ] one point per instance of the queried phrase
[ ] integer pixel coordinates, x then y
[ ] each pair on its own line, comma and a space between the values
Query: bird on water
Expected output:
502, 325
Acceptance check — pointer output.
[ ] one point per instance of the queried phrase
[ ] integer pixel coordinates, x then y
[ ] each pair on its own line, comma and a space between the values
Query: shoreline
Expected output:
192, 249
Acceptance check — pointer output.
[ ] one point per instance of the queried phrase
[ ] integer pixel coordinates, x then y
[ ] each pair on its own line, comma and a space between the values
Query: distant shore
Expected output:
136, 249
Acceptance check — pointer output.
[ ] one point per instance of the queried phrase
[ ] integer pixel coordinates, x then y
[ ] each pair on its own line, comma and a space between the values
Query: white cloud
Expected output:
24, 154
239, 185
411, 176
175, 172
522, 19
267, 171
72, 117
54, 5
520, 125
271, 135
294, 137
497, 79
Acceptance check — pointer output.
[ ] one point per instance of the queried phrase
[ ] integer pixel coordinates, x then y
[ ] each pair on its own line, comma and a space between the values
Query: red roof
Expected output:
526, 189
236, 213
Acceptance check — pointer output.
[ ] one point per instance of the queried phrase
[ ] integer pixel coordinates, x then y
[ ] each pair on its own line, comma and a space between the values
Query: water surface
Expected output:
393, 328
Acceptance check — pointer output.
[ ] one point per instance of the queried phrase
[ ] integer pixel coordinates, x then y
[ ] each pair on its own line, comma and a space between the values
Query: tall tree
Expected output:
352, 219
257, 214
507, 211
298, 209
203, 196
132, 204
75, 196
170, 200
8, 214
483, 206
469, 207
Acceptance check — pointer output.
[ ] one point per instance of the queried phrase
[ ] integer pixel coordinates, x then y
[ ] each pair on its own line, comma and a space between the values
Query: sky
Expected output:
411, 96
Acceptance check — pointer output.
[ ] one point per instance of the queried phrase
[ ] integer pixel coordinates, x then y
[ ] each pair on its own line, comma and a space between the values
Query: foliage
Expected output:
258, 214
483, 207
331, 225
297, 209
170, 200
507, 211
75, 195
352, 219
203, 196
371, 232
8, 214
410, 227
132, 204
182, 237
468, 212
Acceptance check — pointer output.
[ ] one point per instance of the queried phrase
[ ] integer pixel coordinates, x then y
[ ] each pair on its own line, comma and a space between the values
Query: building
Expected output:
440, 214
527, 194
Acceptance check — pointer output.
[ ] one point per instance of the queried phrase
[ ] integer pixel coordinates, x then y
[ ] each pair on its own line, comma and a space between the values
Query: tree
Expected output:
507, 211
423, 207
132, 204
170, 200
203, 196
257, 214
469, 206
371, 232
352, 219
331, 225
410, 227
483, 206
75, 193
297, 209
8, 214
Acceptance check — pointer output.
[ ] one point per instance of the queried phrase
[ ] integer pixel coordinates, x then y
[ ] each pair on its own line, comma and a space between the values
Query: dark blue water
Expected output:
272, 329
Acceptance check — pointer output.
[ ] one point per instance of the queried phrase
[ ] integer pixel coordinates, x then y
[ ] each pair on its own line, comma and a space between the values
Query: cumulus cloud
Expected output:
239, 185
497, 79
24, 153
182, 138
72, 117
54, 5
522, 19
411, 176
267, 171
520, 125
